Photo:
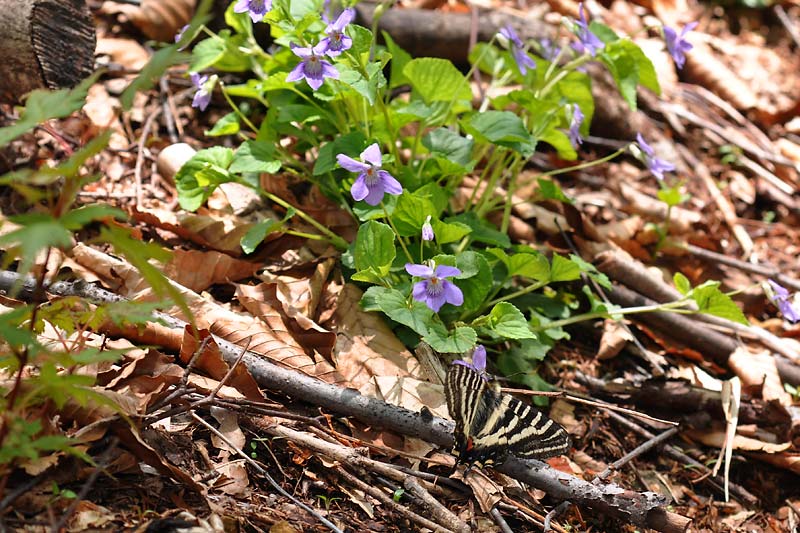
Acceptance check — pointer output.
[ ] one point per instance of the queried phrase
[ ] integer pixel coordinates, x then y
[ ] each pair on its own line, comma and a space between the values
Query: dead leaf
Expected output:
88, 515
198, 270
157, 19
366, 346
210, 361
487, 493
759, 370
263, 302
276, 344
615, 337
408, 392
125, 52
716, 439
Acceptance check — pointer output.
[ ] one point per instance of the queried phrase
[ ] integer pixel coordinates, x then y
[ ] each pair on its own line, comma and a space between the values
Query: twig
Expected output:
137, 173
636, 452
634, 275
768, 271
266, 475
723, 204
439, 512
791, 28
572, 397
716, 481
530, 514
386, 500
562, 507
500, 521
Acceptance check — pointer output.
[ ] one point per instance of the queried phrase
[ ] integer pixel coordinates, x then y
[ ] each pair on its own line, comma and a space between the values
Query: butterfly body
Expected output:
490, 425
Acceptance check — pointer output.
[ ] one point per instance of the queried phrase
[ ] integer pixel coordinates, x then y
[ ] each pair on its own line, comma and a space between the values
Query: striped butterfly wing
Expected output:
490, 424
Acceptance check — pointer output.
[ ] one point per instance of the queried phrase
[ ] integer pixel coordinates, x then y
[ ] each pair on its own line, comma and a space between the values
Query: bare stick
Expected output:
386, 500
439, 512
264, 473
594, 403
636, 452
716, 481
497, 516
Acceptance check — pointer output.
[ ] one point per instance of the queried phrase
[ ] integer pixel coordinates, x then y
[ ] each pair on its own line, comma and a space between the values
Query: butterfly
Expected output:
490, 424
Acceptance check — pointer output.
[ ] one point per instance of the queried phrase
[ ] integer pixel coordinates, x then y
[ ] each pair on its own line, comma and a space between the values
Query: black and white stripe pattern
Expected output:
490, 424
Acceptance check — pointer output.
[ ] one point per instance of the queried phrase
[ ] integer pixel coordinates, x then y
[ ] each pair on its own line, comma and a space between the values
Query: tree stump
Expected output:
44, 44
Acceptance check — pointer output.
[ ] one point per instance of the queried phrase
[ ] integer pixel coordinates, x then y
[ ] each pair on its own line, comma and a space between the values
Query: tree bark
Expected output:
44, 44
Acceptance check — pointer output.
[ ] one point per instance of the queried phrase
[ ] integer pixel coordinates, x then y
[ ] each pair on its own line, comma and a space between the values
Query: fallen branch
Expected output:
645, 509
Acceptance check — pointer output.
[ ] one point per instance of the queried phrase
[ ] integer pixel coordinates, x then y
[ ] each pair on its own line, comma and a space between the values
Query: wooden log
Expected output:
44, 44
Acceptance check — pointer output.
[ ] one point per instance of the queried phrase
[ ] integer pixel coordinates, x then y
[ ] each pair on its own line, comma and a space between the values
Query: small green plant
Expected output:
42, 378
420, 168
327, 501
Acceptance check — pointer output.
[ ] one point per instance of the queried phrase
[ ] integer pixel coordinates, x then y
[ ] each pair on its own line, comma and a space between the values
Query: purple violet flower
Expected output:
179, 35
204, 86
788, 306
427, 230
677, 46
312, 67
655, 164
478, 363
372, 182
255, 8
521, 57
434, 290
337, 41
550, 50
574, 132
588, 42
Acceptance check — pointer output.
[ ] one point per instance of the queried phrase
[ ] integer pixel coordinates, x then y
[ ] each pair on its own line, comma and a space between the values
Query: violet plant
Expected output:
394, 150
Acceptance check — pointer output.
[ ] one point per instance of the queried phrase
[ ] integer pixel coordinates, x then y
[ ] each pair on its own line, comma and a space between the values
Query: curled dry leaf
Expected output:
198, 270
716, 438
157, 19
615, 337
268, 339
127, 53
210, 361
222, 235
263, 301
366, 346
759, 370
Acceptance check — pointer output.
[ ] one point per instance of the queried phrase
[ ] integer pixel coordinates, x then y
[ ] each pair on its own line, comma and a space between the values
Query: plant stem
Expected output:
334, 239
399, 238
671, 307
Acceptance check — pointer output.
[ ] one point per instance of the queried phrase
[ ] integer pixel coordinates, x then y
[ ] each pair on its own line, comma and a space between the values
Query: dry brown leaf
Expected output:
206, 385
229, 427
615, 337
263, 301
270, 340
787, 461
125, 52
408, 392
313, 202
487, 493
300, 290
759, 370
197, 270
103, 110
88, 515
201, 228
210, 361
716, 438
157, 19
366, 346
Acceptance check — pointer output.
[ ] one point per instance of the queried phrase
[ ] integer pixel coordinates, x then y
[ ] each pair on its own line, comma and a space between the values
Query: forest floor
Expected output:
219, 445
